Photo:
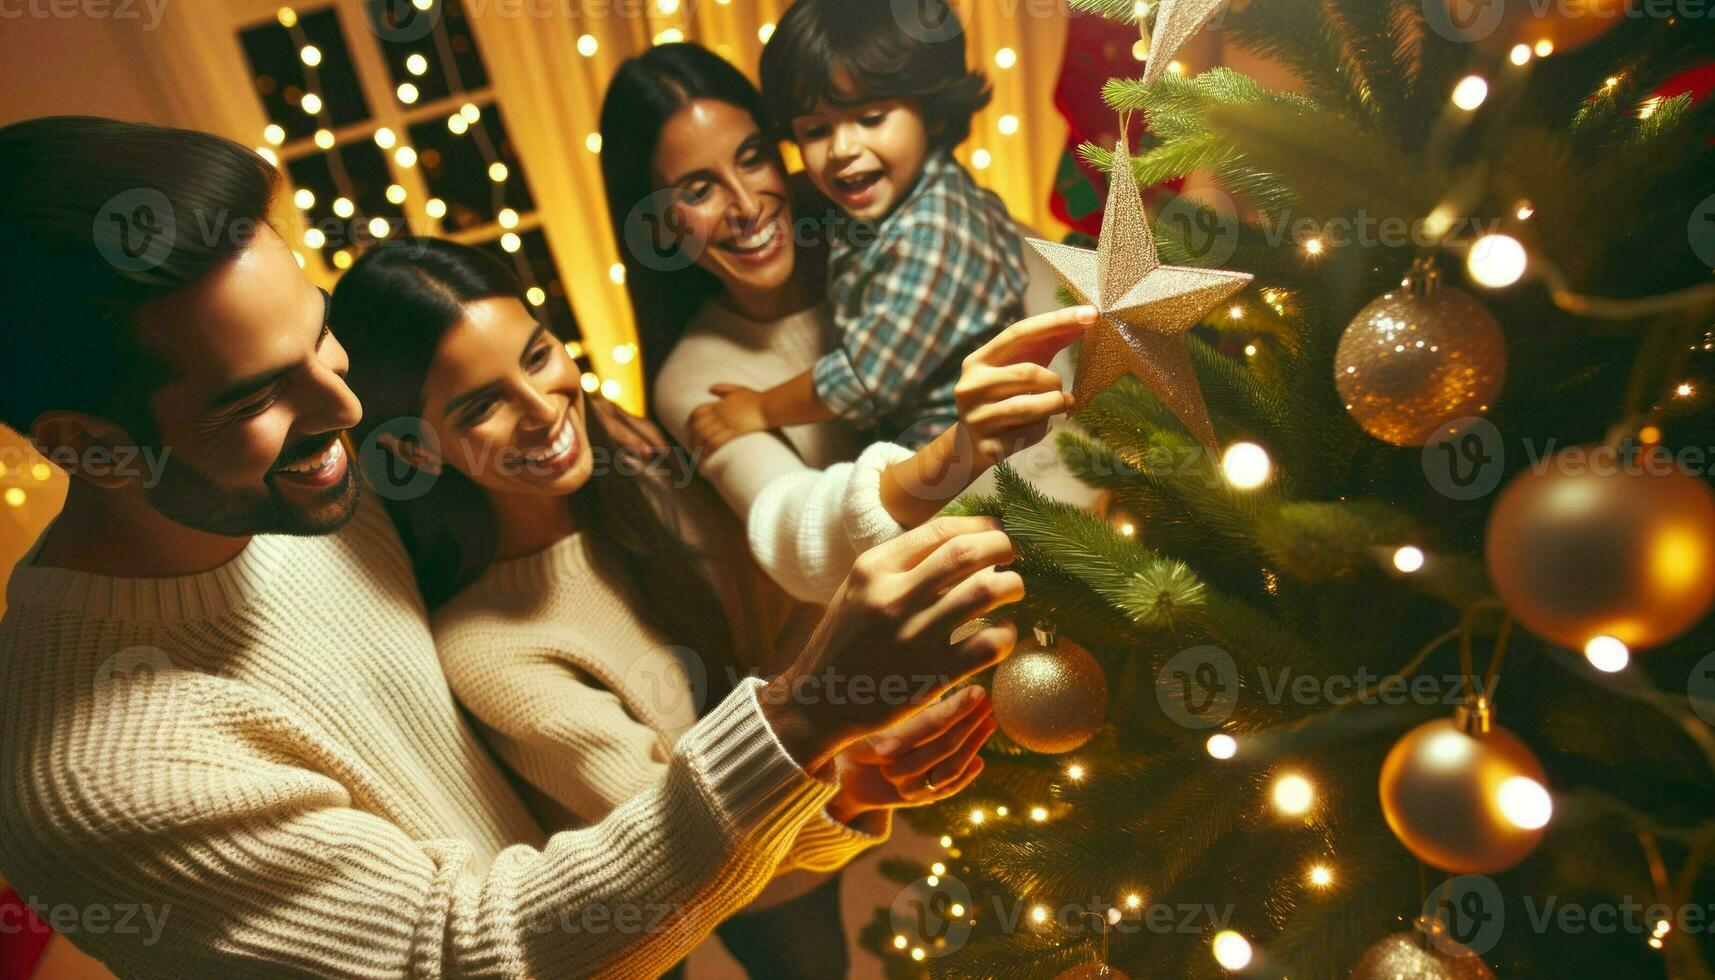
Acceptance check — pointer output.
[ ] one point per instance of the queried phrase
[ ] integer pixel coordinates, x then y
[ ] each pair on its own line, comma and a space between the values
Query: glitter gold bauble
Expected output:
1409, 956
1605, 542
1441, 792
1091, 971
1417, 358
1050, 696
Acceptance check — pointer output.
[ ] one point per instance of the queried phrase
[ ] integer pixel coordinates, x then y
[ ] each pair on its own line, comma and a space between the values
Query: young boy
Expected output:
929, 268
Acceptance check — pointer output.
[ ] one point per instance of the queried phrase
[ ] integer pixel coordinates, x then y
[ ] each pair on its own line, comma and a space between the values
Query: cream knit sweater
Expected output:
583, 698
264, 762
809, 509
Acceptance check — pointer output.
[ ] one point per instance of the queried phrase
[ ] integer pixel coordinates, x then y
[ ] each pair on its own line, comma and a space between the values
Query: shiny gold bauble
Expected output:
1440, 790
1408, 956
1091, 971
1419, 357
1050, 696
1603, 543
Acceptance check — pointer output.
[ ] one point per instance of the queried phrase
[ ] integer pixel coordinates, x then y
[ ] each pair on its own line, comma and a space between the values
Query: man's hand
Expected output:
928, 757
738, 413
884, 649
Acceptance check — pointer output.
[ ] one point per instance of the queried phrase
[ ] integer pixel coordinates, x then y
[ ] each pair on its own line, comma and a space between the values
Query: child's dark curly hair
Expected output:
884, 49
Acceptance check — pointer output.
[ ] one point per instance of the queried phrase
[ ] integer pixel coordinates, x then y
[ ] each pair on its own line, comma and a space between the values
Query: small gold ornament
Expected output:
1417, 358
1449, 793
1092, 971
1414, 956
1050, 696
1146, 308
1603, 542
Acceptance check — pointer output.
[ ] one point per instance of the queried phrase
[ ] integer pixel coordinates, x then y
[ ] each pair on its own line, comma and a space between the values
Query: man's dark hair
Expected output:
869, 42
98, 218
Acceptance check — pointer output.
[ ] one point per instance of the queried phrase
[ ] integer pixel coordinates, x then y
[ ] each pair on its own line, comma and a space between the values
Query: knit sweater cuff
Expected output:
867, 522
754, 787
826, 844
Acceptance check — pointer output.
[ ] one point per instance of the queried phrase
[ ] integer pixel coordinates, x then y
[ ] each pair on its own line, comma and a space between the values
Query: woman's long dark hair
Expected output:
390, 312
645, 92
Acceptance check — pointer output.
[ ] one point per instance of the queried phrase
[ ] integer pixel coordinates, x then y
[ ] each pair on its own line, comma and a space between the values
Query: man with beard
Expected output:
218, 694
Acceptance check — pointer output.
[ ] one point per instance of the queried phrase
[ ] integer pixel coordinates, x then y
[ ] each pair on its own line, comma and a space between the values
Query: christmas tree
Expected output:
1409, 673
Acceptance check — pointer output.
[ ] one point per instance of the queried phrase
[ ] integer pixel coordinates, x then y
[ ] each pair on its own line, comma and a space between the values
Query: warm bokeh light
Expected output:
1408, 559
1232, 951
1525, 802
1607, 654
1222, 746
1497, 261
1246, 465
1293, 795
1471, 92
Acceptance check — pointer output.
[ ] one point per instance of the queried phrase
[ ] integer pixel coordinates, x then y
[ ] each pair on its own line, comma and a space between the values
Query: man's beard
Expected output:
186, 495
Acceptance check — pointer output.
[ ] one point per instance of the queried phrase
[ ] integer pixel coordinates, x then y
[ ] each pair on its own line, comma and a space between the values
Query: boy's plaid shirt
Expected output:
940, 276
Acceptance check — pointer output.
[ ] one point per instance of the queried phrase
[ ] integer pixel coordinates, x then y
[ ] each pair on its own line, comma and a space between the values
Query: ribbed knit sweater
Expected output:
581, 696
267, 762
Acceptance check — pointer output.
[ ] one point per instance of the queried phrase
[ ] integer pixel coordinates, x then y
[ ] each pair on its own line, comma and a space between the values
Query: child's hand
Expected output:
739, 412
1006, 394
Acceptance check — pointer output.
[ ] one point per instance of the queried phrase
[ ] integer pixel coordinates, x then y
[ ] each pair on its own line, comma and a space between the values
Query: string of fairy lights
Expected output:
1496, 261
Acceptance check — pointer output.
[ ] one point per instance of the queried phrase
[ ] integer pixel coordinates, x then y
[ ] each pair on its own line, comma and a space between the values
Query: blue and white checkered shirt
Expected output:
937, 278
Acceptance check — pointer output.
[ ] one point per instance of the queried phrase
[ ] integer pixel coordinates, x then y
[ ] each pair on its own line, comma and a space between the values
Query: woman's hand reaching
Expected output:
925, 758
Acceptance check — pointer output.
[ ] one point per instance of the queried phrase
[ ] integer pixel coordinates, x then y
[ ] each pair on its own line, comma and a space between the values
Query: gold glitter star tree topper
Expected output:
1145, 307
1176, 21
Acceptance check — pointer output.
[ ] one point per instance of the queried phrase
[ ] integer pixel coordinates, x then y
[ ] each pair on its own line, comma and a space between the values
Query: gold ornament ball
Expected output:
1408, 956
1416, 358
1091, 971
1050, 696
1440, 792
1600, 543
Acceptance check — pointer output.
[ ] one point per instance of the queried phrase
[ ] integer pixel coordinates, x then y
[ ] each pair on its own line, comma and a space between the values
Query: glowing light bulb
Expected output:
510, 242
591, 382
938, 868
1222, 746
671, 35
407, 92
1038, 813
311, 103
1232, 951
900, 942
1525, 802
470, 112
616, 272
978, 816
342, 259
268, 155
536, 296
343, 207
1313, 247
1140, 50
15, 497
1075, 771
1293, 795
1321, 876
980, 159
497, 171
1134, 900
611, 389
315, 238
1039, 914
287, 17
436, 208
396, 193
1684, 390
1497, 261
1008, 124
324, 139
1408, 559
1544, 48
457, 125
310, 55
946, 840
588, 45
1005, 58
592, 142
1607, 654
385, 138
1128, 529
917, 953
274, 134
765, 32
304, 198
1246, 465
508, 218
1520, 54
1471, 92
405, 157
380, 227
417, 64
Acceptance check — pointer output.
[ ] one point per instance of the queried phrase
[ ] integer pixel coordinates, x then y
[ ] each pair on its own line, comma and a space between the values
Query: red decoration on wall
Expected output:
23, 937
1097, 49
